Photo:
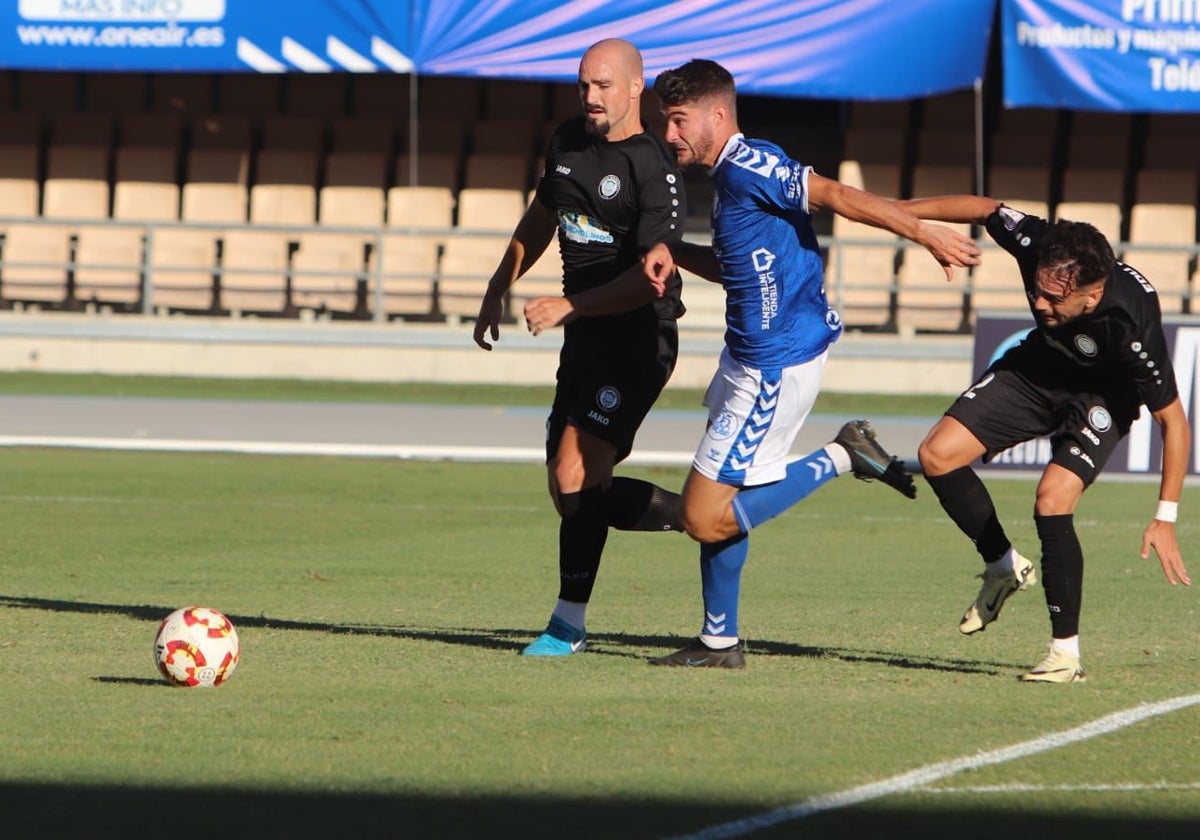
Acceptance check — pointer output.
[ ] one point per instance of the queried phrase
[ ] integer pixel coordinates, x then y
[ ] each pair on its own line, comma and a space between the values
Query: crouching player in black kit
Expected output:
1097, 355
611, 190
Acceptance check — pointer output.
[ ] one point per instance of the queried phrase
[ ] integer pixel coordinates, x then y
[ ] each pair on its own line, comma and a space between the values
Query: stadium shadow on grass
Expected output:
601, 644
43, 810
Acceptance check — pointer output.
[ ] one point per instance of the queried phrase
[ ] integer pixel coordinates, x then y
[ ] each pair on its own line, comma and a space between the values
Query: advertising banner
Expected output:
1141, 451
859, 49
268, 36
841, 49
1102, 55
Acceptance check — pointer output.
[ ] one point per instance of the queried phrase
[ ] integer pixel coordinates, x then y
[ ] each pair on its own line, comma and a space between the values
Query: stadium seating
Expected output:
504, 136
111, 179
254, 267
467, 263
380, 96
182, 265
490, 210
427, 169
116, 93
363, 134
420, 208
925, 300
1093, 195
190, 93
543, 279
408, 274
328, 268
860, 274
108, 259
249, 94
497, 171
1164, 214
221, 131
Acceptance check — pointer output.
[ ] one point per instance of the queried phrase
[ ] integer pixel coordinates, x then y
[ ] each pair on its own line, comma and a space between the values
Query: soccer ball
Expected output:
196, 647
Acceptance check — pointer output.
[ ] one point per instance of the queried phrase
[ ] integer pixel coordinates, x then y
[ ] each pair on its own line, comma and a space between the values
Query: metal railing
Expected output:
373, 275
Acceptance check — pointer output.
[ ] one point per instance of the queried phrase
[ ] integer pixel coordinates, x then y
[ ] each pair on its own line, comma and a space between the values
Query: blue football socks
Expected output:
721, 572
753, 506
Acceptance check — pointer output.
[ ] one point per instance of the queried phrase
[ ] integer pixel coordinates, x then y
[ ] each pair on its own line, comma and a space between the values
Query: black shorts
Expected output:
611, 370
1007, 406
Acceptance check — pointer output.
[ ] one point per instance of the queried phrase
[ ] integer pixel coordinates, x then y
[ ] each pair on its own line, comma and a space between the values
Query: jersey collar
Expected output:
729, 147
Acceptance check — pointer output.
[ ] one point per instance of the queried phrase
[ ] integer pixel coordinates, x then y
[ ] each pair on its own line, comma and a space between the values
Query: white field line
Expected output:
922, 776
512, 454
1119, 787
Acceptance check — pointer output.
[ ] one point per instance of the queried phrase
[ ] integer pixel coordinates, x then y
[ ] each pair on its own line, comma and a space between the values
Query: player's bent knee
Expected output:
933, 458
708, 526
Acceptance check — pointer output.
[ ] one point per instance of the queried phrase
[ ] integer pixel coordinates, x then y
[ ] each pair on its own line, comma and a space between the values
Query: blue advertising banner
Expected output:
1113, 55
856, 49
1140, 453
861, 49
206, 35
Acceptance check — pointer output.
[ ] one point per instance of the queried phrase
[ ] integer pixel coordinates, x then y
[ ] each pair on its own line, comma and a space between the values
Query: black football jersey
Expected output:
613, 202
1120, 344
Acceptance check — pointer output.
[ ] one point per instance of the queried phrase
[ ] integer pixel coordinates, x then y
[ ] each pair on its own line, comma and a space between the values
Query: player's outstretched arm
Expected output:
528, 242
948, 247
1160, 534
952, 208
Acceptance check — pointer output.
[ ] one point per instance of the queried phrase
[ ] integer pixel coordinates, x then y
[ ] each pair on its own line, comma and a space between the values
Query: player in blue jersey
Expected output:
778, 329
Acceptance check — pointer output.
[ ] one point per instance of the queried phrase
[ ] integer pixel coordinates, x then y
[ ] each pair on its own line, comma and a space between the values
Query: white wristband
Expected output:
1167, 511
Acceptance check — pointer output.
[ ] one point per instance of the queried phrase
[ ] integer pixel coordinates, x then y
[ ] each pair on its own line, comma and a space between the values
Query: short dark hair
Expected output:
691, 82
1079, 249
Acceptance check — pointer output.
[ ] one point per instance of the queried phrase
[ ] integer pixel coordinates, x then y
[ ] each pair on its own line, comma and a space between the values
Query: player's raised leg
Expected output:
946, 455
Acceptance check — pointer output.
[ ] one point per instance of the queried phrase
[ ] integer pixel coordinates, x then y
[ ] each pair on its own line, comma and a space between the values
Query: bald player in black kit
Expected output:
610, 190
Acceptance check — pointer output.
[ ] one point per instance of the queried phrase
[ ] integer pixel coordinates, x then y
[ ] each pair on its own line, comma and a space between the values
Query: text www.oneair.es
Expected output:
168, 35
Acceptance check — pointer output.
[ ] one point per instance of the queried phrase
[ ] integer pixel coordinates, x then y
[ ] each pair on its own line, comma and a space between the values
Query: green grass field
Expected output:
381, 606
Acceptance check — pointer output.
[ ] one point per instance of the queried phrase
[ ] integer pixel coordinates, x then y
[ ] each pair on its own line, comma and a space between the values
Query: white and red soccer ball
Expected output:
196, 647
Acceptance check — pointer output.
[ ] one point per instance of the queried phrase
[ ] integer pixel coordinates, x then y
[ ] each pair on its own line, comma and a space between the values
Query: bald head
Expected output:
610, 89
617, 53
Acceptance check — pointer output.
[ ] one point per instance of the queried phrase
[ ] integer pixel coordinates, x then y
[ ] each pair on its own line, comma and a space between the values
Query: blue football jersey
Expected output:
776, 314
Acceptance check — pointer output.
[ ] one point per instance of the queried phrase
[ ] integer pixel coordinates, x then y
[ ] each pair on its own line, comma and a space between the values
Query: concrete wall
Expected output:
398, 352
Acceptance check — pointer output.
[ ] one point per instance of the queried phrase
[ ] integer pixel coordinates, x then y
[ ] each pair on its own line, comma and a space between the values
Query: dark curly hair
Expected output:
691, 82
1078, 250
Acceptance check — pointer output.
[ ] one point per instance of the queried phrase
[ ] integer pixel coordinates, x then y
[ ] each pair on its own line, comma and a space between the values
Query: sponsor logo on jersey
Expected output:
610, 185
833, 320
1100, 419
1090, 435
767, 287
598, 417
562, 170
580, 228
1086, 345
608, 398
758, 162
763, 259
